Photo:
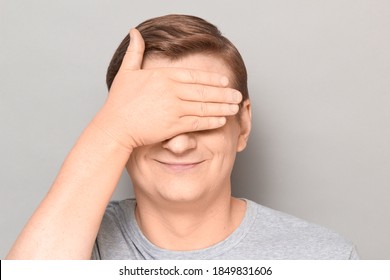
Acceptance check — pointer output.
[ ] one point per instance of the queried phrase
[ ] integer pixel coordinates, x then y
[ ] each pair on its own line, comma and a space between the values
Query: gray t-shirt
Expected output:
264, 233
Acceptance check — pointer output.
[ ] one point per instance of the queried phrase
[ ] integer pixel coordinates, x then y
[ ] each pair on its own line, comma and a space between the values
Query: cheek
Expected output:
229, 139
135, 164
225, 148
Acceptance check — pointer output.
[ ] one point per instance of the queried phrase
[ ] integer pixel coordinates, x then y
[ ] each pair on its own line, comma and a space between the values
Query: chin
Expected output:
182, 192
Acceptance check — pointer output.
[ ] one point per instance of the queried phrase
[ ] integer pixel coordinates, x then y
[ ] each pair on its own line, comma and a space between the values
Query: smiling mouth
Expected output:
180, 166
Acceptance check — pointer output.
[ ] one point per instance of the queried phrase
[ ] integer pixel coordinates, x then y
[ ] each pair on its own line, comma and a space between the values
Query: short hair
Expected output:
176, 36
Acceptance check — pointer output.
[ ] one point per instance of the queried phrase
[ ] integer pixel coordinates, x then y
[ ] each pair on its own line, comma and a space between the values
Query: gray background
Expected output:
319, 79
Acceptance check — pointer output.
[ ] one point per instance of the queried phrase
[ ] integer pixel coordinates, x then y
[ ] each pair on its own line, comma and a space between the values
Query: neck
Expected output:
189, 226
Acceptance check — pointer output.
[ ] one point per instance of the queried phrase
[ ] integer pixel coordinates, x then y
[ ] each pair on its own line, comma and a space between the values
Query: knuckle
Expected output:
192, 76
202, 93
196, 124
203, 109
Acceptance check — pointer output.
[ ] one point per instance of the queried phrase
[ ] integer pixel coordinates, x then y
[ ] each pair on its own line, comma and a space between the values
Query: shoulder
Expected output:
114, 233
296, 238
118, 208
117, 218
120, 205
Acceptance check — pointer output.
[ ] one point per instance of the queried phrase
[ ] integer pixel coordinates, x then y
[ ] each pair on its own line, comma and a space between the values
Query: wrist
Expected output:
112, 128
128, 148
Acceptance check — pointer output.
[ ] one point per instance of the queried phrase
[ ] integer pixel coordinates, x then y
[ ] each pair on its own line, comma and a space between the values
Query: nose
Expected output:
181, 143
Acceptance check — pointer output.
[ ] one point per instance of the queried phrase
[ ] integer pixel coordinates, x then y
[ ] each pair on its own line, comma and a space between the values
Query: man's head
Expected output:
176, 36
195, 166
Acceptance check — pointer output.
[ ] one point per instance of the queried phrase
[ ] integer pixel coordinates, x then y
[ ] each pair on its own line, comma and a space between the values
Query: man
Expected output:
177, 113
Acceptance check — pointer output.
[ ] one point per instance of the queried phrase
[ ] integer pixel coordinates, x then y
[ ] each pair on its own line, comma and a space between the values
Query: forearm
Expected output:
66, 223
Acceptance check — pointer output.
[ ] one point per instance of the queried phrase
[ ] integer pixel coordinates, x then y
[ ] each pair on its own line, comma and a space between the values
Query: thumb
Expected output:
135, 51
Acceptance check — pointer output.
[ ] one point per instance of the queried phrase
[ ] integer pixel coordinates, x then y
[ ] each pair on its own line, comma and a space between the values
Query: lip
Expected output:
180, 166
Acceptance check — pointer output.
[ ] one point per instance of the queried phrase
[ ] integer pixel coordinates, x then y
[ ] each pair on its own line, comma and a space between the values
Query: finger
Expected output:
192, 76
202, 93
135, 51
193, 123
203, 109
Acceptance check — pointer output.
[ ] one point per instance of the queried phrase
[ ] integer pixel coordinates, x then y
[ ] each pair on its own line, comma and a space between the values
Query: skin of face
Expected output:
194, 166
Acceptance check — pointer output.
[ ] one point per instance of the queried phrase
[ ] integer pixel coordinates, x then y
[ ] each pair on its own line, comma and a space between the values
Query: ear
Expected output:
245, 125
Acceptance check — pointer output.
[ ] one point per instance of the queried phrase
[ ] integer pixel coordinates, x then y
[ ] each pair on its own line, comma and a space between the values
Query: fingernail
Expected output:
237, 96
131, 33
234, 108
224, 81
